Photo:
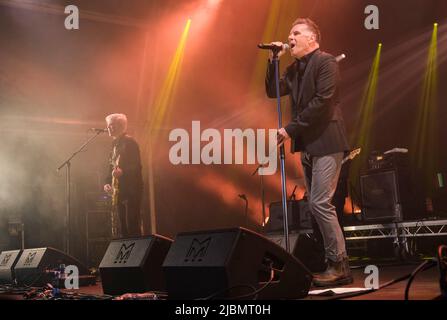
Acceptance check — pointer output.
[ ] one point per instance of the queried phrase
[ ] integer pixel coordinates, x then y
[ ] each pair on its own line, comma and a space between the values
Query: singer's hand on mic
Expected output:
282, 136
280, 53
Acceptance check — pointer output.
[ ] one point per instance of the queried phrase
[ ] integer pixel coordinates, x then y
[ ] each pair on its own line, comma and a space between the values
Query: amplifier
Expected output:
298, 212
98, 201
386, 161
388, 196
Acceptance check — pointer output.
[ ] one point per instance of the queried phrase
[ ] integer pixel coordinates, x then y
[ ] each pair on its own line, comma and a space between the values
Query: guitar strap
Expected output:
114, 155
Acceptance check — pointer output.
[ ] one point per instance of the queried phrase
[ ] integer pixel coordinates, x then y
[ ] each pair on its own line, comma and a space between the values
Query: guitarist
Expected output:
125, 180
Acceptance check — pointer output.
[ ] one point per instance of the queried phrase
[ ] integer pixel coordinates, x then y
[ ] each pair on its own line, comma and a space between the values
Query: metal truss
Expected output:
422, 228
399, 232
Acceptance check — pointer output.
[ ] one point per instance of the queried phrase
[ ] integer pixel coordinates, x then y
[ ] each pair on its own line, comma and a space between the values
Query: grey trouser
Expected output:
321, 176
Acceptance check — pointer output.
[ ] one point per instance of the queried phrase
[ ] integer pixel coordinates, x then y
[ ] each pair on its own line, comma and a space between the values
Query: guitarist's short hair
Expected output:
119, 118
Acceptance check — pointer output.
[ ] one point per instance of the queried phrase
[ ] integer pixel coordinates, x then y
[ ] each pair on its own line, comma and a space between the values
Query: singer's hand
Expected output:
117, 172
278, 43
282, 136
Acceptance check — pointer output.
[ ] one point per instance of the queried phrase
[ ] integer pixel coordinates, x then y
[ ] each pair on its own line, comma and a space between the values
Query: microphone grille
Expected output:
286, 46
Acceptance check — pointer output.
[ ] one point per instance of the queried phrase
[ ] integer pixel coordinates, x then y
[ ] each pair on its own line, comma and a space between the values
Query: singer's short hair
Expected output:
119, 118
313, 27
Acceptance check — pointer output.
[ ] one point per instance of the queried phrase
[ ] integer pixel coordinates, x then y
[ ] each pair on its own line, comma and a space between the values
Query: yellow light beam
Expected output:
168, 89
424, 140
364, 123
361, 135
161, 107
281, 14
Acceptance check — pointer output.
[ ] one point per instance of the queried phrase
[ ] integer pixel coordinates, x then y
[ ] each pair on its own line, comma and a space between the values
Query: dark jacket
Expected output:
317, 124
131, 182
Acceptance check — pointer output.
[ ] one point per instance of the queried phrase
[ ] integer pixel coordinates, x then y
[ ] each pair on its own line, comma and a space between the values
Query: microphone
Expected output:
99, 130
273, 47
340, 57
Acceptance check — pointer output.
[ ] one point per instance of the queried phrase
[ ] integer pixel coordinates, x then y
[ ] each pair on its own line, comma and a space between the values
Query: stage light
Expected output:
367, 104
424, 140
361, 136
160, 112
167, 92
278, 21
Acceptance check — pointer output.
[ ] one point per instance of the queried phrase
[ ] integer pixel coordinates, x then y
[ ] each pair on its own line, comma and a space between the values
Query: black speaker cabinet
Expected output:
305, 247
229, 263
298, 214
8, 260
33, 264
387, 196
280, 240
133, 265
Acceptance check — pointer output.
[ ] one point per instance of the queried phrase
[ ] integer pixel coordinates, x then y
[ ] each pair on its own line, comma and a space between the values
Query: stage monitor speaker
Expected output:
305, 247
298, 212
280, 240
8, 260
33, 264
230, 263
387, 196
133, 265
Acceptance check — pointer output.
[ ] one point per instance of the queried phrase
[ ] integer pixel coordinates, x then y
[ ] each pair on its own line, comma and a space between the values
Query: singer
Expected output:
124, 182
316, 130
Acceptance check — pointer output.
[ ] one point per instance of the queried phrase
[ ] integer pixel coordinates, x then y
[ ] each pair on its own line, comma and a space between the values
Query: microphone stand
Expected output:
282, 155
67, 164
293, 196
262, 192
244, 197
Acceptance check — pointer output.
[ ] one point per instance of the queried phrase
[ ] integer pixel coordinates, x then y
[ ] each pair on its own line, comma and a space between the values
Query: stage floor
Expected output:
424, 287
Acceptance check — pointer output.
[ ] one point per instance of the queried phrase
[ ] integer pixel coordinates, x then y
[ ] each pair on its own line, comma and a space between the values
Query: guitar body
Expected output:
115, 185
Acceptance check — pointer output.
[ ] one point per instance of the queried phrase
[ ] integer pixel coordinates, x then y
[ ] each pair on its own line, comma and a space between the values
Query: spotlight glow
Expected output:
425, 141
361, 137
214, 2
368, 102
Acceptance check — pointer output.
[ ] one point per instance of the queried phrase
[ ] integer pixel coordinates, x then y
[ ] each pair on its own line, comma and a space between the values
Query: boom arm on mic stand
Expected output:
258, 168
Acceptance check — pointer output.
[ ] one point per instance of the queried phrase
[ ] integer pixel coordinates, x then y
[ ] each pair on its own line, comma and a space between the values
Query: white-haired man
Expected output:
125, 179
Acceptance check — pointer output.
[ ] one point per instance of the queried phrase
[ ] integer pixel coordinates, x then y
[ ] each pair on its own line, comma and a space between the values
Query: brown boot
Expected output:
337, 273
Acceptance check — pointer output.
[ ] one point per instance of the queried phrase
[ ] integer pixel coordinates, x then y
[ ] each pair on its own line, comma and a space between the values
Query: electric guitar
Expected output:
115, 183
354, 153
